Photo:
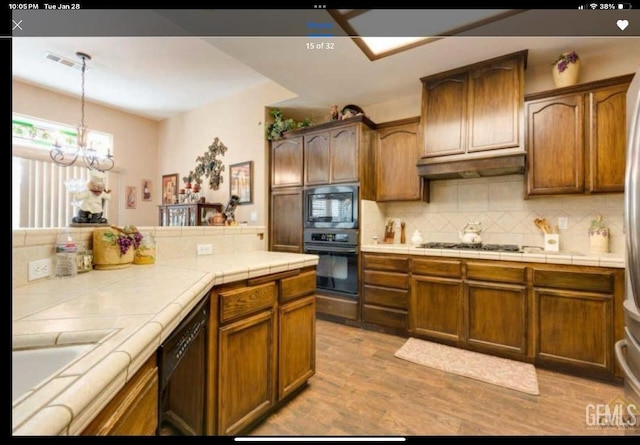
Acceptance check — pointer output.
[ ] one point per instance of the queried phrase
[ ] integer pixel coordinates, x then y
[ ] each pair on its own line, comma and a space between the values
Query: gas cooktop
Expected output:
467, 246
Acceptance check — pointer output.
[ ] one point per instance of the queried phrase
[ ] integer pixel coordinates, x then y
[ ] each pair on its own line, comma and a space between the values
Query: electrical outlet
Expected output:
253, 216
204, 249
563, 223
40, 269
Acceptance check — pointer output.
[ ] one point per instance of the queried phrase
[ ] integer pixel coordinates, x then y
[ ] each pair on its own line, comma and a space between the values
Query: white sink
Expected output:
29, 367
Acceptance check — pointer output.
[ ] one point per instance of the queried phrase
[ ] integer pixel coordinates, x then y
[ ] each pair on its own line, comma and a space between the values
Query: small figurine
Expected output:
90, 202
335, 113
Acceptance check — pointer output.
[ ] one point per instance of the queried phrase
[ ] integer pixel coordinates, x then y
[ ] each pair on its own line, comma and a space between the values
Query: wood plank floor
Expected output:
361, 389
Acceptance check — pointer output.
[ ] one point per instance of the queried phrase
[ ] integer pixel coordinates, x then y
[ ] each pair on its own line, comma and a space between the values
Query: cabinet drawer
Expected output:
386, 263
387, 279
245, 301
496, 272
440, 268
587, 281
386, 317
386, 297
294, 287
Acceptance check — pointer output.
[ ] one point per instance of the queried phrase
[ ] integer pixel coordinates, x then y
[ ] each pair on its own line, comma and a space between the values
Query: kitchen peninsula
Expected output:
124, 315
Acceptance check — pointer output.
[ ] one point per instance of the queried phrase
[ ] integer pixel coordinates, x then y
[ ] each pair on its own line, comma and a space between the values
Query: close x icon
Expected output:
16, 25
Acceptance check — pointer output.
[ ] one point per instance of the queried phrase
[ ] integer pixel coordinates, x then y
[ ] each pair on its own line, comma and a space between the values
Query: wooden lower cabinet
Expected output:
575, 328
578, 318
262, 349
247, 371
436, 308
296, 344
385, 292
134, 410
563, 317
496, 307
497, 317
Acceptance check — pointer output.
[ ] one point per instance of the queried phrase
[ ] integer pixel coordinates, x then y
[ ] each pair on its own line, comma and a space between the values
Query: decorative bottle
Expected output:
66, 256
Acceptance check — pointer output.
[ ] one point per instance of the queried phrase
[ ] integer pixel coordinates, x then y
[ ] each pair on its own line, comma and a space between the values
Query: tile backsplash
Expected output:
507, 217
172, 242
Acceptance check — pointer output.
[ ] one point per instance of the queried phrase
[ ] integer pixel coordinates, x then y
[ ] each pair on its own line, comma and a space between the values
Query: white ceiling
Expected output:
158, 77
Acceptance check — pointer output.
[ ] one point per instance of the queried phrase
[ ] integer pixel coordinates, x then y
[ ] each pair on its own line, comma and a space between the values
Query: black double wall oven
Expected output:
331, 232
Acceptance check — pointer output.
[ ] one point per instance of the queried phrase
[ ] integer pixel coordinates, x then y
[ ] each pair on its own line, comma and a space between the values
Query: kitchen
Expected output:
453, 202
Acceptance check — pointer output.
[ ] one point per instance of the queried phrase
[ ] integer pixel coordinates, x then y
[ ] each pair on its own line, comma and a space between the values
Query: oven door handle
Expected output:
327, 249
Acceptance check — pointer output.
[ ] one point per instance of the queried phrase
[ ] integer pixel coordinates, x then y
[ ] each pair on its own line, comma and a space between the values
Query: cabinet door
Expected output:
496, 97
497, 317
344, 155
607, 139
297, 344
247, 372
436, 308
316, 158
575, 329
286, 220
134, 410
555, 138
287, 163
397, 153
444, 114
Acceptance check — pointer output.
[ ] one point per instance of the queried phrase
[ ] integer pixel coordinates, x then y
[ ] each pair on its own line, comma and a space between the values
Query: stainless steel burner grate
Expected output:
465, 246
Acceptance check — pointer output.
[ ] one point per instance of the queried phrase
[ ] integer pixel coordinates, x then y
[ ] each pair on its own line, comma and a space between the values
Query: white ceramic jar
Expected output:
416, 238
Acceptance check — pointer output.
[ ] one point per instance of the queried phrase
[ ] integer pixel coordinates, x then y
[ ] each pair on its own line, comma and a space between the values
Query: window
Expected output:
40, 188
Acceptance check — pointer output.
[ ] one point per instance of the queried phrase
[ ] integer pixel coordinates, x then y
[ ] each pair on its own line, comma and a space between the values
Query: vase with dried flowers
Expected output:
566, 69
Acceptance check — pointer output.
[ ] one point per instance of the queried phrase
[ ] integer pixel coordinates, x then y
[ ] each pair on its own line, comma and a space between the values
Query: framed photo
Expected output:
170, 188
146, 190
241, 183
130, 193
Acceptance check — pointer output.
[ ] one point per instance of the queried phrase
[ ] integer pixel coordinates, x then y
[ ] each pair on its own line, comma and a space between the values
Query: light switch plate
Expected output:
40, 269
204, 249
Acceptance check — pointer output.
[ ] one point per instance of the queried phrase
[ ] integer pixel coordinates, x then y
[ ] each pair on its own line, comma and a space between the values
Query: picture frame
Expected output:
170, 188
146, 190
130, 197
241, 182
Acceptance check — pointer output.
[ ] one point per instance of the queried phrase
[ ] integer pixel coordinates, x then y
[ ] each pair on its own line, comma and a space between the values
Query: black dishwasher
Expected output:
182, 366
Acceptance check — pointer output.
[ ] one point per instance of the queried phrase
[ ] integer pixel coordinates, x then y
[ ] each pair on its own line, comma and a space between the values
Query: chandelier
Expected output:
66, 155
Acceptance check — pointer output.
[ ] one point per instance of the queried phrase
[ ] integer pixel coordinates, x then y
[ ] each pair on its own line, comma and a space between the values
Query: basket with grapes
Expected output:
114, 247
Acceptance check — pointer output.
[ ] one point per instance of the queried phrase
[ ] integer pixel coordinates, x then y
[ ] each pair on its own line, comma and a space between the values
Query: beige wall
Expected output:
135, 142
499, 202
239, 123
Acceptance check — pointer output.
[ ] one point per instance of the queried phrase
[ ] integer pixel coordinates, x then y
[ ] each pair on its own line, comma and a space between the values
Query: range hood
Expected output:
473, 168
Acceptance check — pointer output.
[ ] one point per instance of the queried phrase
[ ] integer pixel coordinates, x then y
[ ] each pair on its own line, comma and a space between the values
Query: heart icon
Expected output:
622, 24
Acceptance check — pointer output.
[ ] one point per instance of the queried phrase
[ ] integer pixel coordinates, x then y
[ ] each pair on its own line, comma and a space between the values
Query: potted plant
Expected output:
281, 125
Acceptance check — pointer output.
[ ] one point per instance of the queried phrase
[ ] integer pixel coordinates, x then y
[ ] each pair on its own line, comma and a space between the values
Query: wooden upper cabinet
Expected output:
344, 155
397, 152
576, 138
555, 137
316, 158
496, 101
287, 162
607, 142
339, 152
444, 112
474, 109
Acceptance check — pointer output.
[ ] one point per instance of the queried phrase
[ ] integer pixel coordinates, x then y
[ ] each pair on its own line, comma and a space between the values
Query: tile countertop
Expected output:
125, 314
576, 259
